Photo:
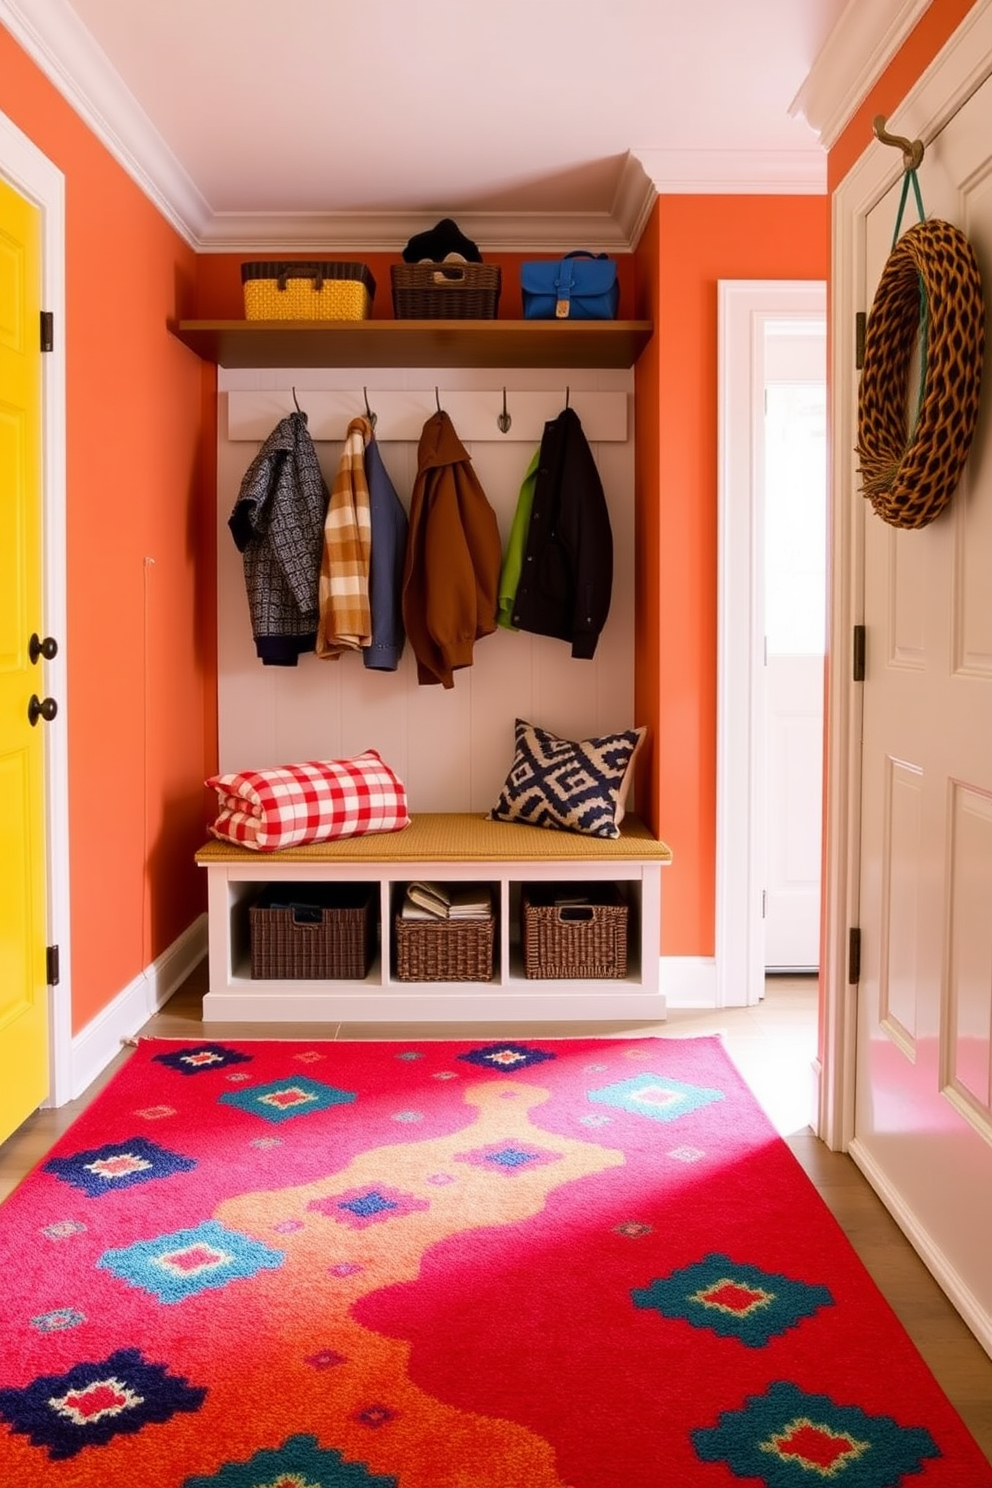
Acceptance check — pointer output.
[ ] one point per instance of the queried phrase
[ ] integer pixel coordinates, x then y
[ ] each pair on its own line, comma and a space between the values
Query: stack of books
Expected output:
431, 901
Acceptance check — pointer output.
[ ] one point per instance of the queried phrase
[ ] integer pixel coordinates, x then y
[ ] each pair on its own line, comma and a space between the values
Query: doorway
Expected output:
793, 528
772, 372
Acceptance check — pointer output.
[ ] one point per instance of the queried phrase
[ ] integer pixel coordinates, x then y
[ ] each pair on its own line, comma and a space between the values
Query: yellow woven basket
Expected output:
309, 289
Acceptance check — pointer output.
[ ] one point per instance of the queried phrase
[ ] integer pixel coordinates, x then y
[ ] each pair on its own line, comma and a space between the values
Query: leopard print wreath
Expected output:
910, 479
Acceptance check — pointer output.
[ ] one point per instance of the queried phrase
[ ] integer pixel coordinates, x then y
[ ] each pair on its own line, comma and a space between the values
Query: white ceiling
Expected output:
254, 118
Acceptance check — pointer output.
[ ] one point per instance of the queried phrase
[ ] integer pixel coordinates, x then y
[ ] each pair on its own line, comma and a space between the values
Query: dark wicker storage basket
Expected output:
445, 291
444, 950
313, 931
574, 940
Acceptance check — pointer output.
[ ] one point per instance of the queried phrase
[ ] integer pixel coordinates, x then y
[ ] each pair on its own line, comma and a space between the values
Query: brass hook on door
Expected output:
368, 412
912, 150
503, 420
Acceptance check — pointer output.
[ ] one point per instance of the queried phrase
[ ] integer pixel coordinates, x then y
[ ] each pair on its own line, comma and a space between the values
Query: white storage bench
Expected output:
454, 848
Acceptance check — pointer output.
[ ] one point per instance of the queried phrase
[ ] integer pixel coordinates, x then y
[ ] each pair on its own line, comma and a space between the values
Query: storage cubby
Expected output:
575, 930
322, 930
515, 860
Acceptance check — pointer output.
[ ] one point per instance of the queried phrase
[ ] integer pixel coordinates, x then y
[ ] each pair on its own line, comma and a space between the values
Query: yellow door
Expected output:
23, 972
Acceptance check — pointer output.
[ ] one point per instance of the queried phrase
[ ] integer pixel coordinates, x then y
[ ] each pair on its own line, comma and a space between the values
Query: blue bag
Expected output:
580, 286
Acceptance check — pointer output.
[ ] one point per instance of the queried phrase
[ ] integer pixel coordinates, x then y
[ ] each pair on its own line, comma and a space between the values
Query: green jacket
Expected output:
513, 558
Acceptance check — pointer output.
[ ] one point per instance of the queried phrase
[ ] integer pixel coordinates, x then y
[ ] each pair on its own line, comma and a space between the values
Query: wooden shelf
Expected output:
416, 343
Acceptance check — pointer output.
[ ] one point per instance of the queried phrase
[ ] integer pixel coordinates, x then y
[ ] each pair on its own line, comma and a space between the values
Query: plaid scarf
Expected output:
345, 617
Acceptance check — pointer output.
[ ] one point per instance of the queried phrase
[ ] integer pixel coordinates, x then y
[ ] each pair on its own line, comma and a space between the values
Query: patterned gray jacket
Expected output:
278, 527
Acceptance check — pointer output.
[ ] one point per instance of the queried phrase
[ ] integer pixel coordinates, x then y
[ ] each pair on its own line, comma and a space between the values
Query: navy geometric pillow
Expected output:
568, 785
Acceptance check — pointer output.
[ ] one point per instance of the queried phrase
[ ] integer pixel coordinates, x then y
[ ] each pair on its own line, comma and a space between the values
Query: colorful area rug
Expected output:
534, 1264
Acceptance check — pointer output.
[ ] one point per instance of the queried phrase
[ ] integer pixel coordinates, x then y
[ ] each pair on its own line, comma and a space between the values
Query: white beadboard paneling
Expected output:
451, 748
440, 755
370, 718
309, 708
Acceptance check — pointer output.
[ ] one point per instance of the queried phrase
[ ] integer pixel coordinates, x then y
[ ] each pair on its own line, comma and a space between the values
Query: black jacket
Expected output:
567, 576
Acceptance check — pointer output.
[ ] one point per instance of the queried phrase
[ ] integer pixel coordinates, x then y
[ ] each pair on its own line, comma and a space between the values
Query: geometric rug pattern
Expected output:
539, 1263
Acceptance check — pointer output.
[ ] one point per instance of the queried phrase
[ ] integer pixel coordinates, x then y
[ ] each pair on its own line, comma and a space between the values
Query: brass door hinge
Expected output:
853, 955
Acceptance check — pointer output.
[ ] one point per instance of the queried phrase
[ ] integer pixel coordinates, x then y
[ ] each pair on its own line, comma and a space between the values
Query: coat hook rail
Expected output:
476, 413
912, 150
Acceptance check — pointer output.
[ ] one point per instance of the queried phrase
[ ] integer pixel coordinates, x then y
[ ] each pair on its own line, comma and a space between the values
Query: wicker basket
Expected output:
586, 940
312, 289
313, 931
444, 950
445, 291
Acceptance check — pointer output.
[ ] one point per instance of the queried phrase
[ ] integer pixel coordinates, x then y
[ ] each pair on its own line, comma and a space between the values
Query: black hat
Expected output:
441, 240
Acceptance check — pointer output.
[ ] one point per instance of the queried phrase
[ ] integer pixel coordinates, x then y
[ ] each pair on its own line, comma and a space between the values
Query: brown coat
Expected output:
453, 556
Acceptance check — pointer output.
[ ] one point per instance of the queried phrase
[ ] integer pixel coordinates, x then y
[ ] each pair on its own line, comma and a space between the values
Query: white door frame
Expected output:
32, 174
745, 307
961, 67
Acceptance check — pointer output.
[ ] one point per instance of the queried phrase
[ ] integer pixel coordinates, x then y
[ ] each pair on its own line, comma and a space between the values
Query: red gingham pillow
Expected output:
312, 802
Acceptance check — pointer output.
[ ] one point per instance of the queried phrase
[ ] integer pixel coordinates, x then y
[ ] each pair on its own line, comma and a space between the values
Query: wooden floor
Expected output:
772, 1045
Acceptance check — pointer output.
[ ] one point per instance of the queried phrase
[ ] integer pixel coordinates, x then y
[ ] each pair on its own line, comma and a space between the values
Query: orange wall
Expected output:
691, 243
139, 641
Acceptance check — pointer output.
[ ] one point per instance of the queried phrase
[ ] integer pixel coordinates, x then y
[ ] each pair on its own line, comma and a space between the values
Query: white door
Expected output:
794, 590
923, 1105
771, 337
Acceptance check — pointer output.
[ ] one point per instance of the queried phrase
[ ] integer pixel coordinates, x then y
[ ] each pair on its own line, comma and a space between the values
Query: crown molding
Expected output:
736, 172
633, 200
386, 232
52, 35
853, 58
616, 231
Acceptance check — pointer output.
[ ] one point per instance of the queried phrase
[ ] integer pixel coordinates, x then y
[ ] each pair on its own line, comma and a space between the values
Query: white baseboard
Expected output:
689, 981
958, 1292
96, 1045
816, 1094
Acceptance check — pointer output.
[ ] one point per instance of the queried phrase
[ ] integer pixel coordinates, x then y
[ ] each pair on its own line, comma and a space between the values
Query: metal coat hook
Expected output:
437, 399
503, 420
297, 402
368, 412
912, 150
567, 391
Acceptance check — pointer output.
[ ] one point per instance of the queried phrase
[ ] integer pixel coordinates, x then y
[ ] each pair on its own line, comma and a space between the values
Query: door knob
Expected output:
45, 708
48, 648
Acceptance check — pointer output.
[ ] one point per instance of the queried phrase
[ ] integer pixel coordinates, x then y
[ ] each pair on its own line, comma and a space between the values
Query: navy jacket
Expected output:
566, 581
389, 531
